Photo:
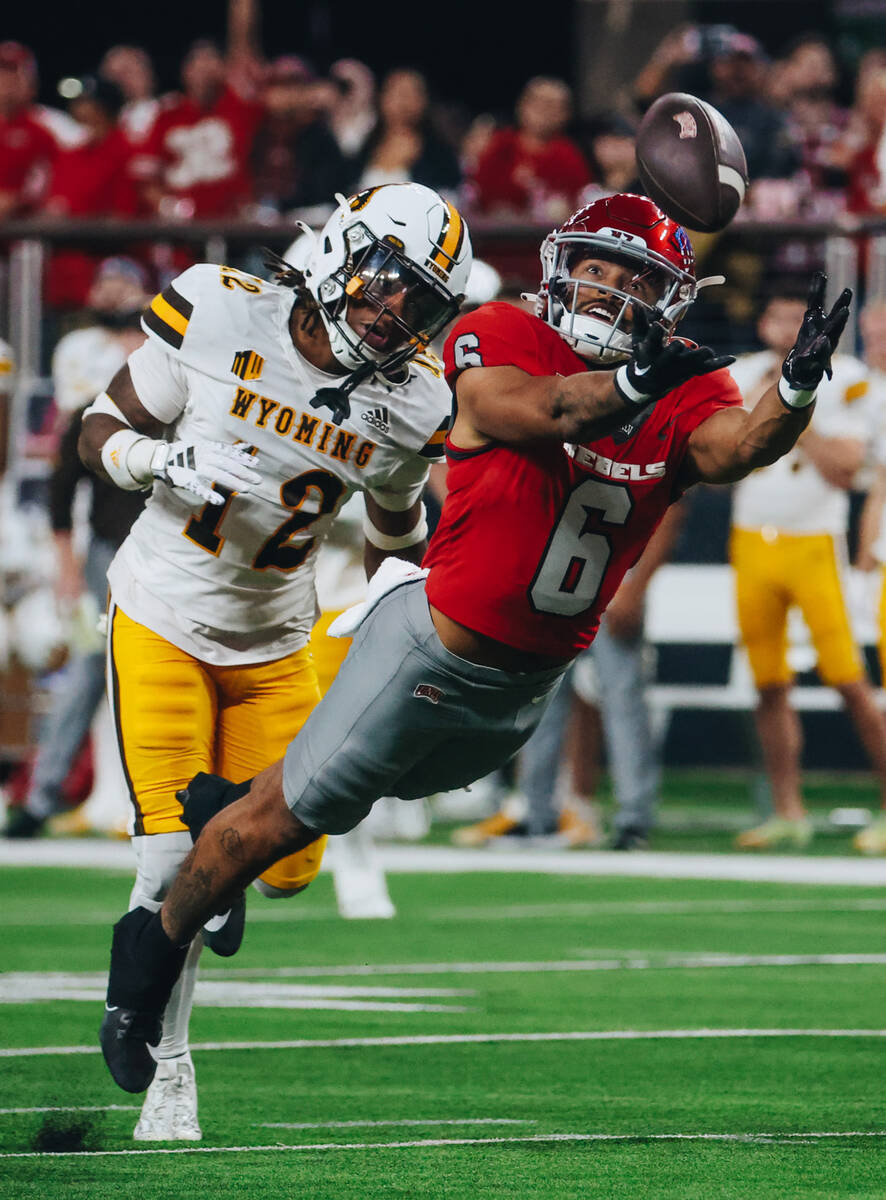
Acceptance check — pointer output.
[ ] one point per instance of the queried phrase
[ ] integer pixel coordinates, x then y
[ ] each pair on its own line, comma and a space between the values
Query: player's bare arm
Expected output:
99, 426
125, 444
509, 405
837, 459
734, 442
403, 534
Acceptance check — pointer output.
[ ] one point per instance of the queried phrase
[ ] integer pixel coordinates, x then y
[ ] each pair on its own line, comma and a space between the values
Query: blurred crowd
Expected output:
246, 137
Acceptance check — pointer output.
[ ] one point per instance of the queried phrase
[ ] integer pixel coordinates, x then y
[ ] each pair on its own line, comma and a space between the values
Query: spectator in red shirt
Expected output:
195, 163
533, 170
296, 161
27, 148
130, 67
92, 179
863, 147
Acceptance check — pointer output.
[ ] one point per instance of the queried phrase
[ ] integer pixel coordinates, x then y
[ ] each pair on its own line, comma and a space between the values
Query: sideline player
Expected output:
788, 548
225, 410
558, 476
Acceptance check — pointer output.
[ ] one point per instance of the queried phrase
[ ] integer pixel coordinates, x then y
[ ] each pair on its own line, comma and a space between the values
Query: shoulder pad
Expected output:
202, 304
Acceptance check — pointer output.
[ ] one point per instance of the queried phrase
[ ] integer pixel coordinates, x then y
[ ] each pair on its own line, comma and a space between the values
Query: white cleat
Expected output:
169, 1113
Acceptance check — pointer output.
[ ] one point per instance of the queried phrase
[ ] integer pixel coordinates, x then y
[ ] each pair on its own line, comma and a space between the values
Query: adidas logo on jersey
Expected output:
377, 418
247, 365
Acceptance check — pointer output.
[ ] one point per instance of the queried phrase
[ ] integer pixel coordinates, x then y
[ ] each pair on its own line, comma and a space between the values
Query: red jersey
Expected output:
512, 175
535, 539
201, 154
27, 149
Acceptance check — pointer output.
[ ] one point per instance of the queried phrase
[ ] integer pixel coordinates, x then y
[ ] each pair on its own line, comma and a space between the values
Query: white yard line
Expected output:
6, 1112
630, 962
379, 1124
272, 913
817, 869
777, 1138
653, 908
464, 1039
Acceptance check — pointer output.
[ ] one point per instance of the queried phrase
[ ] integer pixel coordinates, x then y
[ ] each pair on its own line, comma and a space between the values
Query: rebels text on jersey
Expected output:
234, 582
535, 539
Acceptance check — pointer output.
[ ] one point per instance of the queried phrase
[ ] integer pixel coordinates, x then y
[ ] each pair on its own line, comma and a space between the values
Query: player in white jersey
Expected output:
788, 549
256, 409
872, 535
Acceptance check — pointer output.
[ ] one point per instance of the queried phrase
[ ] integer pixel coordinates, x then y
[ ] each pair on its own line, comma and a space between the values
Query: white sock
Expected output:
174, 1042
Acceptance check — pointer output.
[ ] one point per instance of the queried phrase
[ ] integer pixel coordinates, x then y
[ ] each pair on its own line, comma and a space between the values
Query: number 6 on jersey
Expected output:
568, 578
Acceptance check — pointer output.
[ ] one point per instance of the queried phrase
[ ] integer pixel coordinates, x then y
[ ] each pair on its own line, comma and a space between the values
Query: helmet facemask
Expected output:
379, 307
567, 301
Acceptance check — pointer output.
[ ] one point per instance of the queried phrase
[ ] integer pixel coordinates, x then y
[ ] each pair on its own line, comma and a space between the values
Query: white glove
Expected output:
196, 466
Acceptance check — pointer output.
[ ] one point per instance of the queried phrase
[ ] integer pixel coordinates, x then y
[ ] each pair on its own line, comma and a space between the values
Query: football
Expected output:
691, 162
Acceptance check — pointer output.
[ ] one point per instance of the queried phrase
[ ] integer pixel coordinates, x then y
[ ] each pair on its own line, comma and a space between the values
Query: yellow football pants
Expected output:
176, 715
771, 576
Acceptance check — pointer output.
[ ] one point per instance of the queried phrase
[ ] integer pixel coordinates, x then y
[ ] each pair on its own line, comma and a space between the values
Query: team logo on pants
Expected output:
247, 365
425, 691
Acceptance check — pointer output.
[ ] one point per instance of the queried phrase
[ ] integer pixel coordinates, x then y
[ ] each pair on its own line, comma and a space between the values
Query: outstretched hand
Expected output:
658, 365
810, 357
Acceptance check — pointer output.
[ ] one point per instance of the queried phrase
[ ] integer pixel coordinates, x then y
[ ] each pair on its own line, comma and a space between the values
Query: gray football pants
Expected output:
405, 717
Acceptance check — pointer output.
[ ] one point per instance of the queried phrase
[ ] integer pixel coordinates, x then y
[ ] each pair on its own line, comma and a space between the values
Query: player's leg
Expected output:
622, 666
262, 707
73, 709
872, 839
763, 598
821, 596
361, 890
404, 717
164, 711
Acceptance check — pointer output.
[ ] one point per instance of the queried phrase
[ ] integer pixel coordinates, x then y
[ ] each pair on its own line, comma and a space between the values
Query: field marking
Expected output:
778, 1138
271, 914
781, 868
19, 987
591, 908
378, 1124
632, 962
6, 1112
465, 1039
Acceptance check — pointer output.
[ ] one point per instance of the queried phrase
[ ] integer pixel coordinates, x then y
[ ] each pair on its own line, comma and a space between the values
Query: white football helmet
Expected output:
388, 270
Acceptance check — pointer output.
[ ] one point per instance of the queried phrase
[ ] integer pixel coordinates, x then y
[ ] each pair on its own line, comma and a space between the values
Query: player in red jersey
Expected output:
574, 430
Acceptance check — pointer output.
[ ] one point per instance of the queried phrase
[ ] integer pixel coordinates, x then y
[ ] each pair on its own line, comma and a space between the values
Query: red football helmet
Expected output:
633, 232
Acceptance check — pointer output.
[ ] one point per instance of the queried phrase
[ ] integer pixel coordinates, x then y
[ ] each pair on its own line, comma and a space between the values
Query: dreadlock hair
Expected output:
289, 276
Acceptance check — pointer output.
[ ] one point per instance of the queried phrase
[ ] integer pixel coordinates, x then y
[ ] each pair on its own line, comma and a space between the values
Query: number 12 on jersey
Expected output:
570, 574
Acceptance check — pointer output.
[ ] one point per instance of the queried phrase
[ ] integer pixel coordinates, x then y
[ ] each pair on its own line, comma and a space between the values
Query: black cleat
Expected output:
144, 968
632, 837
21, 824
125, 1036
205, 796
227, 939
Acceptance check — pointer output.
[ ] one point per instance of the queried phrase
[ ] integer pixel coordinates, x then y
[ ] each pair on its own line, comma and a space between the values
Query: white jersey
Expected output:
83, 364
7, 369
791, 495
235, 582
878, 406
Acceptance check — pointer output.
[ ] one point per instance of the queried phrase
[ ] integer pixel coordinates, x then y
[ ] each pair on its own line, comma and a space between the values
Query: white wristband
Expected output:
626, 389
794, 397
126, 456
384, 541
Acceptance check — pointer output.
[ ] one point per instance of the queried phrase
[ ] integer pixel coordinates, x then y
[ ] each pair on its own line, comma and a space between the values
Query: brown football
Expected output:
691, 162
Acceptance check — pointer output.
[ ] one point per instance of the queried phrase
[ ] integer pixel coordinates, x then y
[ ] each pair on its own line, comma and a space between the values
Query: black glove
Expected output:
810, 356
657, 366
205, 796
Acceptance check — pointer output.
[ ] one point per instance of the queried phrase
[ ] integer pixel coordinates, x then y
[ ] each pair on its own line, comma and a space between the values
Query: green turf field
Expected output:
435, 1056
